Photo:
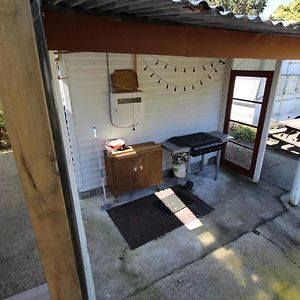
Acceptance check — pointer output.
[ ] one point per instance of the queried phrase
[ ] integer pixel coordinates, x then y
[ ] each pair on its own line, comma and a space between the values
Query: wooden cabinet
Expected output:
134, 170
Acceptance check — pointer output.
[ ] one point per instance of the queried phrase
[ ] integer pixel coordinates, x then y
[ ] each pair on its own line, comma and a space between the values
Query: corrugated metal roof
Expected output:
177, 12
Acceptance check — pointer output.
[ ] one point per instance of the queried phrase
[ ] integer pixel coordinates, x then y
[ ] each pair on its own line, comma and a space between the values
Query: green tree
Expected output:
289, 12
4, 140
242, 7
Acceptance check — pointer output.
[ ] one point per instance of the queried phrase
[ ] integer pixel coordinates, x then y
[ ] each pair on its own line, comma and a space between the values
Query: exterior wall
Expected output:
287, 100
166, 113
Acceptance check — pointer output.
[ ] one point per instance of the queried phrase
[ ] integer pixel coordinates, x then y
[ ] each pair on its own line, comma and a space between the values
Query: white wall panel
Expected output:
166, 113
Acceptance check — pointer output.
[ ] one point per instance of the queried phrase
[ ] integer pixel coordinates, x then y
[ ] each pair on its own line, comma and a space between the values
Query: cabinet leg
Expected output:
202, 162
157, 188
188, 167
218, 158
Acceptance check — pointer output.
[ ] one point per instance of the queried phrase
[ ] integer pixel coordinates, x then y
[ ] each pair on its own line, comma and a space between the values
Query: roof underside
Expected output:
167, 11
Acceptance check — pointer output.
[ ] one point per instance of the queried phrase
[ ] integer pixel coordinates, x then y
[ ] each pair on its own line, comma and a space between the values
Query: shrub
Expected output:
4, 140
243, 133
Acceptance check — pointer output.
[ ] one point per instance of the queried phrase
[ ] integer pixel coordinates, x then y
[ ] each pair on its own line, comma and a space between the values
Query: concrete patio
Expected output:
20, 267
249, 242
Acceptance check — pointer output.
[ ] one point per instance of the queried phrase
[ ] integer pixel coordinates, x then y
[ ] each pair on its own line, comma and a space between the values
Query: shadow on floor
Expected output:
279, 164
240, 207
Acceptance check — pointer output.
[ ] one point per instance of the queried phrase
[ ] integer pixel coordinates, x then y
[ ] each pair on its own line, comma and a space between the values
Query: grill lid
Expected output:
193, 140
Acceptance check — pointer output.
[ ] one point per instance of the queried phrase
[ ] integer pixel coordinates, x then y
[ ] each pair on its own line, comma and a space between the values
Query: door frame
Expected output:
269, 78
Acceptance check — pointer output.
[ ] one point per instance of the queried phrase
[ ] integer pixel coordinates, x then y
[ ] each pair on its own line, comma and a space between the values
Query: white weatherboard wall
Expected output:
287, 100
166, 113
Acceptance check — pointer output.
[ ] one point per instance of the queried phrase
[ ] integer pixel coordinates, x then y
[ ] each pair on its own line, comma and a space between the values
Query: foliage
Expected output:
242, 7
2, 123
4, 140
276, 125
243, 133
289, 12
178, 158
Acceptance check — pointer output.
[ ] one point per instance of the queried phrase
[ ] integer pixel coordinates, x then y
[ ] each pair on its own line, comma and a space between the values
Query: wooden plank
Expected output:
23, 98
292, 124
286, 138
88, 32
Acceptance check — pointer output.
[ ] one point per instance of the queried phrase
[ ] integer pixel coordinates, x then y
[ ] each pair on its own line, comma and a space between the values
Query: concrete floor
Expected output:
198, 264
279, 165
20, 267
203, 263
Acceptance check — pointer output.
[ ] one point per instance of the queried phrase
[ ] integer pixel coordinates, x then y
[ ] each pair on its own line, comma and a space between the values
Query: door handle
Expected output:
135, 169
141, 167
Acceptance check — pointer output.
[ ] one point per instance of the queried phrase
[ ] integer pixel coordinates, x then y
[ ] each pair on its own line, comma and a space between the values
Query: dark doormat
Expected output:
147, 218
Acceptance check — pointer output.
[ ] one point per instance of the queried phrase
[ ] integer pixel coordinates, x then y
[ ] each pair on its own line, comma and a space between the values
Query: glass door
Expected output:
248, 97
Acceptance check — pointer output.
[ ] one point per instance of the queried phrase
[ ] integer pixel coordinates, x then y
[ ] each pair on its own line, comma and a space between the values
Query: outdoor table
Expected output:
291, 135
292, 124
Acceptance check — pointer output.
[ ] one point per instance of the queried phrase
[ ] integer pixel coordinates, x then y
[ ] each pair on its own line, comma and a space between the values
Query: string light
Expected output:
184, 87
166, 64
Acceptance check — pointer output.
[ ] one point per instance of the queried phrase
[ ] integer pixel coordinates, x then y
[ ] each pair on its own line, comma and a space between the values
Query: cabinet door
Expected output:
124, 174
149, 168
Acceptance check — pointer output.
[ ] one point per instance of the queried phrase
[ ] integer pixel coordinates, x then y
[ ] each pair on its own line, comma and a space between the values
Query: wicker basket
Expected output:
124, 81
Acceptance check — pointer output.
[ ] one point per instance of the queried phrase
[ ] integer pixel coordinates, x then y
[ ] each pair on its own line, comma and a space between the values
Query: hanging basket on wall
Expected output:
124, 81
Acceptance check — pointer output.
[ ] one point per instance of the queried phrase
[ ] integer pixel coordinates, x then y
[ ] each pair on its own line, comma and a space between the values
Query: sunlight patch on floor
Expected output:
206, 238
184, 215
232, 263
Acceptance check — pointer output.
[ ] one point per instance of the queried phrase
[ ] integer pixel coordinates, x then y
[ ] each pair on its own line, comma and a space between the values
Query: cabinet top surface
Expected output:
145, 146
137, 148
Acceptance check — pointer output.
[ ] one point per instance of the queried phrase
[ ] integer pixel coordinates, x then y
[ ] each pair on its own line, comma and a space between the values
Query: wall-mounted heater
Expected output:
127, 109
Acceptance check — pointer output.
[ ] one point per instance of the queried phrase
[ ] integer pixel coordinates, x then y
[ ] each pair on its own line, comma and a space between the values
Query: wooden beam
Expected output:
23, 98
88, 32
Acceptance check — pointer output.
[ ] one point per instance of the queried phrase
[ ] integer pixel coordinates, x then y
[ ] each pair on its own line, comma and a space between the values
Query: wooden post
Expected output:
23, 98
